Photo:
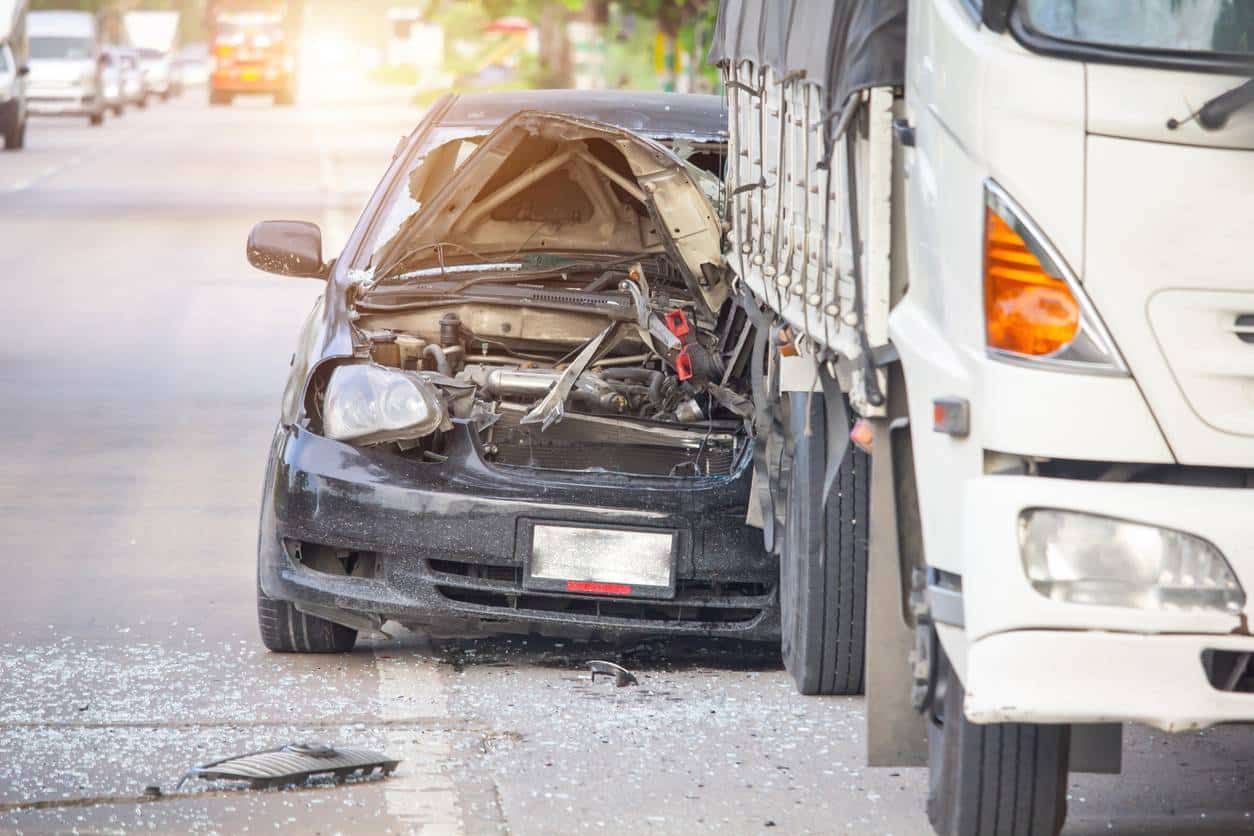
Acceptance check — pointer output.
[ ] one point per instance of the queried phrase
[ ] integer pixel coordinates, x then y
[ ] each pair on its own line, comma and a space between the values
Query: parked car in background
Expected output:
111, 78
192, 64
134, 83
157, 70
13, 72
65, 66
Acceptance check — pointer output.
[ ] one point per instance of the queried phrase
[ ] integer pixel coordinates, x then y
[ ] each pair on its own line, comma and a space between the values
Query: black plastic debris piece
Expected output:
621, 675
294, 763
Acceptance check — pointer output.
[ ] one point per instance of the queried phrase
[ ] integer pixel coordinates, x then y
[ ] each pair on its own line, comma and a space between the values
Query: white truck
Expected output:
1010, 235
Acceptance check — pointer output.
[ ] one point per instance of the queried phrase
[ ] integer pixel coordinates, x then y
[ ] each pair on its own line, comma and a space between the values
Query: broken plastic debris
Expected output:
294, 764
621, 675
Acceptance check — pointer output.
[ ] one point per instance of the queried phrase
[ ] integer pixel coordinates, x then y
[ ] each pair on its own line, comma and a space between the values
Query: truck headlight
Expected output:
369, 404
1090, 559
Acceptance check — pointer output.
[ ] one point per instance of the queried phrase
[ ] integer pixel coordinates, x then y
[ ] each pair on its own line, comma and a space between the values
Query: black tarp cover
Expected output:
839, 45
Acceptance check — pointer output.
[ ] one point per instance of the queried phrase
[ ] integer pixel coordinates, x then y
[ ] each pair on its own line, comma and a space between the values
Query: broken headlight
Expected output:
369, 404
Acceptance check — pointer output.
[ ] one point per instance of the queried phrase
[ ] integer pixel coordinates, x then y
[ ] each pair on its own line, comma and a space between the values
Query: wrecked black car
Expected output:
523, 401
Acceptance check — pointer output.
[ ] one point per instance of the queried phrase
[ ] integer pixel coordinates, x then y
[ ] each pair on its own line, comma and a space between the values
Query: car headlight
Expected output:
369, 404
1084, 558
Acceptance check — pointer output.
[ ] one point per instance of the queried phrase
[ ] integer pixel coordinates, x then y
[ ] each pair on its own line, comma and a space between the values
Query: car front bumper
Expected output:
251, 81
448, 546
62, 103
1029, 658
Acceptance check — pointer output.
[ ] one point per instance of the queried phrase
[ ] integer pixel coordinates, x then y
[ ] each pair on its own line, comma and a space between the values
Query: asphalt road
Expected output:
141, 362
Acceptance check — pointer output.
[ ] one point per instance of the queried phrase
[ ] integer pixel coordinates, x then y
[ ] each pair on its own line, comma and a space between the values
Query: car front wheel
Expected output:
285, 629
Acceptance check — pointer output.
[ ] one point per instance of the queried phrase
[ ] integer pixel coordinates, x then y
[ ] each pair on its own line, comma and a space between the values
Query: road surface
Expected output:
140, 376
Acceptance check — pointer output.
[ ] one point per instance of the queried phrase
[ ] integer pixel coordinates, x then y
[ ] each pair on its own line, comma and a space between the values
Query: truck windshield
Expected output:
1171, 26
60, 48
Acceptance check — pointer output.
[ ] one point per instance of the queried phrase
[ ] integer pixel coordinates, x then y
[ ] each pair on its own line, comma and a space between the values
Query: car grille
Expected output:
695, 601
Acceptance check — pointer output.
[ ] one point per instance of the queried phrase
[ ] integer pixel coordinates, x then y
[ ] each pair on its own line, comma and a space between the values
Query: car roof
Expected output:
653, 114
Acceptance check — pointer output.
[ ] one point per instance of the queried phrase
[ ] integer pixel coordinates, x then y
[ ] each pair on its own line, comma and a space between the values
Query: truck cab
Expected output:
1081, 163
1012, 230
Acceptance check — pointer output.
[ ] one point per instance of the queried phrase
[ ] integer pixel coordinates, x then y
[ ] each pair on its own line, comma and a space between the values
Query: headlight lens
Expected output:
369, 404
1089, 559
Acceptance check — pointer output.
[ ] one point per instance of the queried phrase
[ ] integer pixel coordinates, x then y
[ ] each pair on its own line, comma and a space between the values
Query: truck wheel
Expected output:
285, 629
822, 584
990, 780
217, 97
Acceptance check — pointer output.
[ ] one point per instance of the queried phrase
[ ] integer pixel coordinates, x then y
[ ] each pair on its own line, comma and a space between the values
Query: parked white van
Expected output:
65, 65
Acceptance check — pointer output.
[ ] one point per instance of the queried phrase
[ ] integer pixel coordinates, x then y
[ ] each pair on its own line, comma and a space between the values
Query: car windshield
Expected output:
1211, 26
437, 159
60, 48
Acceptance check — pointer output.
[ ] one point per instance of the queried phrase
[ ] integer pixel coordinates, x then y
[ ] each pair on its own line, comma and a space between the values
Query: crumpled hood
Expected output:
547, 182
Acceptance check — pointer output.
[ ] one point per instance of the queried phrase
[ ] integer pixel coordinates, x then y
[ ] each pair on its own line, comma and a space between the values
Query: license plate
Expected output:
602, 561
250, 75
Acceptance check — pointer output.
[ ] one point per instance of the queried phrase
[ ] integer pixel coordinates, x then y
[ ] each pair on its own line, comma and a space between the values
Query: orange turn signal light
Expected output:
1028, 309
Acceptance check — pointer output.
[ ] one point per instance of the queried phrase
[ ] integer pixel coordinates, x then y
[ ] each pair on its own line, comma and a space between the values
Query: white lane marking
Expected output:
117, 137
51, 170
420, 794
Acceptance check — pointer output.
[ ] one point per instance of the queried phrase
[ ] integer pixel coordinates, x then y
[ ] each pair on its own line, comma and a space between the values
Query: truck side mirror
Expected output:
288, 248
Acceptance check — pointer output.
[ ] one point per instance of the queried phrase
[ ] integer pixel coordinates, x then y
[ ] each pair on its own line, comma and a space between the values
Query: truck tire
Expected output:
285, 629
285, 98
1001, 779
218, 97
823, 567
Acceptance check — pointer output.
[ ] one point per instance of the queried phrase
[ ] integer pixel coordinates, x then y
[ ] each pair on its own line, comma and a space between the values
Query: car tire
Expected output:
118, 110
217, 98
15, 135
823, 567
96, 119
1000, 779
285, 629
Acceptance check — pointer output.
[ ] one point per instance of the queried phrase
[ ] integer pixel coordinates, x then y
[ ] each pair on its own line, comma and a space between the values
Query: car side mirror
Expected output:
288, 248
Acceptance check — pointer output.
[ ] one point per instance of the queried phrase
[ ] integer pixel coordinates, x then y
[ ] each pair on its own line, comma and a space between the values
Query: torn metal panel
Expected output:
293, 764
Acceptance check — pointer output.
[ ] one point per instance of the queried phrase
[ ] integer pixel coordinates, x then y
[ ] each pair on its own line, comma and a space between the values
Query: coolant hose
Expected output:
441, 361
654, 379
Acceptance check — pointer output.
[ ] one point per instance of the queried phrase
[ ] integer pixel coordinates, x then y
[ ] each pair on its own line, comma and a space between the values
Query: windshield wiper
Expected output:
1213, 115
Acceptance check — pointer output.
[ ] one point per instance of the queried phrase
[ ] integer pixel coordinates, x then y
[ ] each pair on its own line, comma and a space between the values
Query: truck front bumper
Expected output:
1026, 657
1089, 676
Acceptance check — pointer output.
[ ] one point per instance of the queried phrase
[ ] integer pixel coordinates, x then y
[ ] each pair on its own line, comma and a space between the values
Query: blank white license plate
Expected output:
602, 561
